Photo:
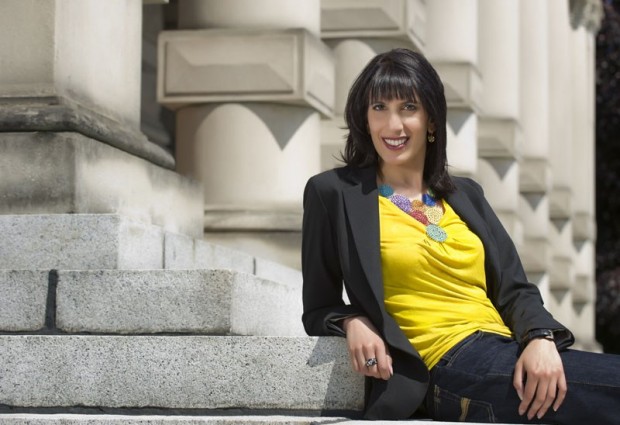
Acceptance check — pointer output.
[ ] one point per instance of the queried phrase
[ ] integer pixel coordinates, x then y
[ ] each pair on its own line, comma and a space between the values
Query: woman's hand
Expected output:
540, 366
364, 342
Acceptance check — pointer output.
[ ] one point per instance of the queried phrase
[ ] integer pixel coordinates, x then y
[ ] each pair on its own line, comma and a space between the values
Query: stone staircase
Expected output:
94, 333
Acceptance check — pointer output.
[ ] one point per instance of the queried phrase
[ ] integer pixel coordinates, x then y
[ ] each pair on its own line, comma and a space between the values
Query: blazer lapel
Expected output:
362, 210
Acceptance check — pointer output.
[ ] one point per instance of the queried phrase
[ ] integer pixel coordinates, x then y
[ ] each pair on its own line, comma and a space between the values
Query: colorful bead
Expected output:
386, 190
427, 211
401, 202
428, 200
436, 233
434, 214
418, 205
419, 215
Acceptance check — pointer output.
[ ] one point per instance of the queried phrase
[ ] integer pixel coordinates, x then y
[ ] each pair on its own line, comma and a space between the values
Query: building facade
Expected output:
205, 118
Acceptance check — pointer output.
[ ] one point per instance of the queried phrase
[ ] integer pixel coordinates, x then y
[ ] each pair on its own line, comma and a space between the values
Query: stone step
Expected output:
79, 242
112, 241
79, 419
68, 419
215, 302
178, 372
219, 302
106, 241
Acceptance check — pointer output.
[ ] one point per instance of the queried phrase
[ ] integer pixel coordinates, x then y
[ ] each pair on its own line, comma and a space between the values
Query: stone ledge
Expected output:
59, 114
217, 302
77, 419
191, 372
84, 419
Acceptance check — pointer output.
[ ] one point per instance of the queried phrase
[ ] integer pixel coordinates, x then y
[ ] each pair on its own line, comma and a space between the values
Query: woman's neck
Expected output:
407, 182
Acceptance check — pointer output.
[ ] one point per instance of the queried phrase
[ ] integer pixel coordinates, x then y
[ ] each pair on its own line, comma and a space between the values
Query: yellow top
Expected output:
435, 291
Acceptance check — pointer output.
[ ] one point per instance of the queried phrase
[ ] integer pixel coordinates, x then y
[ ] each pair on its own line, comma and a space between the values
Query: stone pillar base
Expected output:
66, 172
271, 234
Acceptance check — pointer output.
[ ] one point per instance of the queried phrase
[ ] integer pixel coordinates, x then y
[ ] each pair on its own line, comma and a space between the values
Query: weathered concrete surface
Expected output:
196, 372
198, 301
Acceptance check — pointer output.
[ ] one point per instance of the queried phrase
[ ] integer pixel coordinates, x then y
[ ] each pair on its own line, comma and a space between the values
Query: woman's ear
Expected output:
430, 126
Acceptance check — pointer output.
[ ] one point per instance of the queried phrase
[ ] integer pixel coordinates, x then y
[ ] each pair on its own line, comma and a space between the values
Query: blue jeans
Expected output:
473, 383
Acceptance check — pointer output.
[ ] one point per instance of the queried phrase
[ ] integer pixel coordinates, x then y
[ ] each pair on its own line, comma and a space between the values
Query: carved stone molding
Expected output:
462, 84
283, 66
375, 18
588, 13
534, 175
498, 137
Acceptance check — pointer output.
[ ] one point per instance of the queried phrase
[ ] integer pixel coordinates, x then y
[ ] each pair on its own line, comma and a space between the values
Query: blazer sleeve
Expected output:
518, 301
322, 275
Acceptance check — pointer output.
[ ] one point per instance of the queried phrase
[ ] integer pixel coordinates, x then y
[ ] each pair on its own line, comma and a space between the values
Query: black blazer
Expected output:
340, 244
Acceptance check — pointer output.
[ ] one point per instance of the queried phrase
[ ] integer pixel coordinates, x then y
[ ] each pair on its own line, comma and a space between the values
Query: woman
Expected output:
433, 279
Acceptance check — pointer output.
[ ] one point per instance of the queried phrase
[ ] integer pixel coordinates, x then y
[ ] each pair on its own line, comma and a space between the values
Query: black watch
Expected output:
537, 333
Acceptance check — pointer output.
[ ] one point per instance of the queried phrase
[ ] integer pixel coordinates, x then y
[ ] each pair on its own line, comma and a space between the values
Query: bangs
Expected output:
390, 82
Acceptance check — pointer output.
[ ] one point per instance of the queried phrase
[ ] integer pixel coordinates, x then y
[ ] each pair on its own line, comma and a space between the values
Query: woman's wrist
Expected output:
346, 321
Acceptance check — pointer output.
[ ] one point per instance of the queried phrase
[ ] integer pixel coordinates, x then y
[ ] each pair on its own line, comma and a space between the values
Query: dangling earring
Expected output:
430, 137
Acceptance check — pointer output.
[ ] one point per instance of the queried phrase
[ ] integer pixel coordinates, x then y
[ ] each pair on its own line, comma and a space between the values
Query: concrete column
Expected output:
356, 32
583, 175
561, 98
70, 117
534, 166
452, 47
249, 81
498, 132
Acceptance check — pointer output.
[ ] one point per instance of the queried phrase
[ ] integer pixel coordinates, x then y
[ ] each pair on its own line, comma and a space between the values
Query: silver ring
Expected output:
371, 362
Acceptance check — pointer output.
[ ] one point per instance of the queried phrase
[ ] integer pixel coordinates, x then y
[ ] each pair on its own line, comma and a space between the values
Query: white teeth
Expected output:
395, 142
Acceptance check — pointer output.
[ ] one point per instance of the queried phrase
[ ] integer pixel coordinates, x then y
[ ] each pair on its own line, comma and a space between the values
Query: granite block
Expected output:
69, 419
23, 296
197, 372
80, 419
277, 272
178, 251
78, 241
212, 256
182, 252
198, 301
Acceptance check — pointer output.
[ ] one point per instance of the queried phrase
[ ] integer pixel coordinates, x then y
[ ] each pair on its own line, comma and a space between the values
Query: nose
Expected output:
395, 122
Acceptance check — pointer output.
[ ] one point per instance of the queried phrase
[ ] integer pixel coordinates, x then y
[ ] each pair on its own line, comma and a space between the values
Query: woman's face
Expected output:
398, 129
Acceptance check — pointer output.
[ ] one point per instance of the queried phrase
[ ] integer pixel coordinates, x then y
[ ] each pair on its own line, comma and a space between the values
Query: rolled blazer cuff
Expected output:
334, 324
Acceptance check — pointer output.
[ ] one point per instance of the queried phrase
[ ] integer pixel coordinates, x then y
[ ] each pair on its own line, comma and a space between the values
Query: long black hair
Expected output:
398, 74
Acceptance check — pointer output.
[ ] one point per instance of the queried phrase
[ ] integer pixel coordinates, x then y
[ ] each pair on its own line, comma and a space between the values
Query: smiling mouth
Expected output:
395, 143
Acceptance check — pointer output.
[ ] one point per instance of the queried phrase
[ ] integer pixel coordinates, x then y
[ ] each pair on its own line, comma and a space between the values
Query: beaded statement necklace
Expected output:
426, 211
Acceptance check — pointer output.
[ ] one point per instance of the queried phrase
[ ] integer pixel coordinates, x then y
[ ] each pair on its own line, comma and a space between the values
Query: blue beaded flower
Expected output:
386, 190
